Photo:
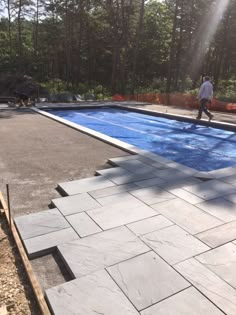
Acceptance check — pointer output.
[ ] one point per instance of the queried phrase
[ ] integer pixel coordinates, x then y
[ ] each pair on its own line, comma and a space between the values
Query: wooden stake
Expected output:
8, 202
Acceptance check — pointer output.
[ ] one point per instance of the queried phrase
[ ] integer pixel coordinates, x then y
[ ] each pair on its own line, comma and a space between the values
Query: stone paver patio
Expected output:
144, 237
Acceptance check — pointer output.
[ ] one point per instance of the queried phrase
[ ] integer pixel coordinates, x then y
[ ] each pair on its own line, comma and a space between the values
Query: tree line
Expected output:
125, 46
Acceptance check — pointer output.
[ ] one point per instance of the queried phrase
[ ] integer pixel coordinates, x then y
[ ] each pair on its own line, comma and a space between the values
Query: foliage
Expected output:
58, 86
226, 91
54, 86
119, 46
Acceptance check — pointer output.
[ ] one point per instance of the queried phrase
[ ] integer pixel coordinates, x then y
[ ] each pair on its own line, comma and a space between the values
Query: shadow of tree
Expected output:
10, 113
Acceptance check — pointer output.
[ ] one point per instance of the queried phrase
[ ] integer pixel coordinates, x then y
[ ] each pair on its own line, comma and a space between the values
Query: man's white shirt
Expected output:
206, 91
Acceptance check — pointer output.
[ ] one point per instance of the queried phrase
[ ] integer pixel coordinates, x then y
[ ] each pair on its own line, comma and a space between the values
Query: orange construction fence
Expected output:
179, 100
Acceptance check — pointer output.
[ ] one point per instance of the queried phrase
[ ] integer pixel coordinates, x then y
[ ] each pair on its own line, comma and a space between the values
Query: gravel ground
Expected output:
36, 153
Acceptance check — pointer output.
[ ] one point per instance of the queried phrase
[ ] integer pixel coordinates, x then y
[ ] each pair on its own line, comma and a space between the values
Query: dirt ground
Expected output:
36, 153
16, 296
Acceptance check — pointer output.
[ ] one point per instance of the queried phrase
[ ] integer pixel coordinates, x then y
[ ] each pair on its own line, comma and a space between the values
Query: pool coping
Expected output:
214, 174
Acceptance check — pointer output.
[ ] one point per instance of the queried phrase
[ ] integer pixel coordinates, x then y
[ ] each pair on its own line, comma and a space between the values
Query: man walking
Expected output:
205, 96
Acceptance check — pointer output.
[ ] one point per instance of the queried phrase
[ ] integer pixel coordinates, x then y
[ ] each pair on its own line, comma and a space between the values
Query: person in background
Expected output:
205, 96
22, 99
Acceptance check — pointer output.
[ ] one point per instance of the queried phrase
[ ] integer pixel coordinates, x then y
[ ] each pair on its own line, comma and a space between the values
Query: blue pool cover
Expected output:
202, 148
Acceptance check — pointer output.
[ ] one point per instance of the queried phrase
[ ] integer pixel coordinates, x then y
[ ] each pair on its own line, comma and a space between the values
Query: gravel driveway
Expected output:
36, 153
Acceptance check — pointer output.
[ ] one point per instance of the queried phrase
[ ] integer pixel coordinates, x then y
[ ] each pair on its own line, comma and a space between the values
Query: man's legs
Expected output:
203, 108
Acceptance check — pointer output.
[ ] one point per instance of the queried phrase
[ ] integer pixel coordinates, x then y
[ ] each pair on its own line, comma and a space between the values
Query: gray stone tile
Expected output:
187, 216
220, 208
112, 190
231, 198
40, 223
179, 183
182, 168
76, 203
157, 165
222, 261
83, 224
124, 198
229, 179
151, 195
117, 160
169, 174
223, 172
219, 235
187, 302
101, 250
114, 173
187, 196
121, 176
156, 181
155, 157
213, 287
90, 295
211, 189
121, 213
43, 244
136, 166
149, 225
147, 279
85, 185
147, 160
204, 175
174, 244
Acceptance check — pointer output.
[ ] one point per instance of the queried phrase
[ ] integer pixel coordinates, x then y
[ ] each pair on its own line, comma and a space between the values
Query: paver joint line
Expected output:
124, 232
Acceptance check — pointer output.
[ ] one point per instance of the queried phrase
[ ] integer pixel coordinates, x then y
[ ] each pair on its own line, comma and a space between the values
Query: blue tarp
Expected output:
200, 147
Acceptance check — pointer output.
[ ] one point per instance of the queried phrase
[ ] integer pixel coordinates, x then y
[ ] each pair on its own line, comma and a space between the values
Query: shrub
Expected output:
226, 90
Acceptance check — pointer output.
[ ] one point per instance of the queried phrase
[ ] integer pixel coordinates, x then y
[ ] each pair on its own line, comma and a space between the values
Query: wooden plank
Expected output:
33, 280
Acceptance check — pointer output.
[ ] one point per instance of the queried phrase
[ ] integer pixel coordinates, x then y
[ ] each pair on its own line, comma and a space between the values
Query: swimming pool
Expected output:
196, 146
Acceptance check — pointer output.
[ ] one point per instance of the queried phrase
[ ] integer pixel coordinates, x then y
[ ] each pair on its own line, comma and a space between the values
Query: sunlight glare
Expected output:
206, 33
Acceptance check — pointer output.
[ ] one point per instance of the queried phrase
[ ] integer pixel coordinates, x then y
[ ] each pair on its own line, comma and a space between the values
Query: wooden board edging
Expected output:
33, 280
